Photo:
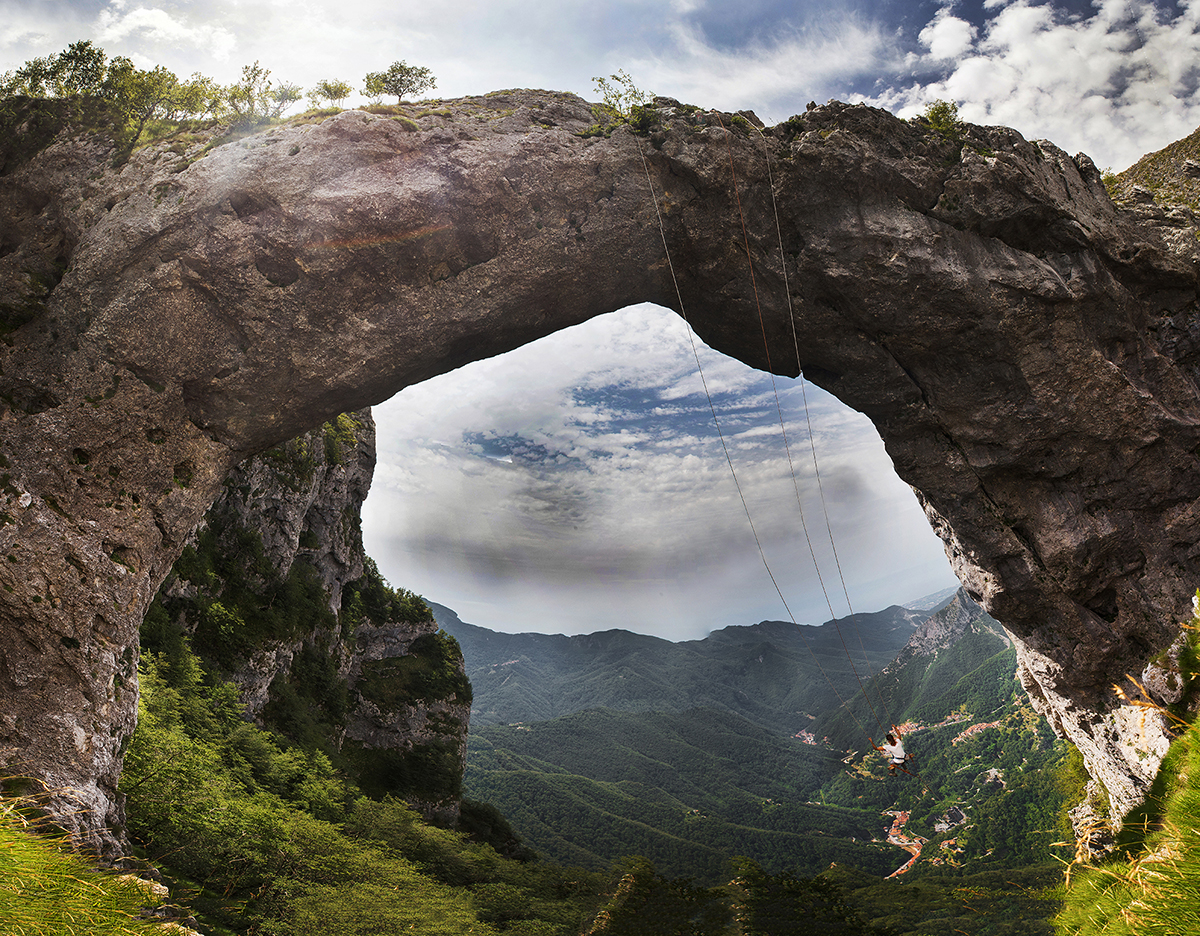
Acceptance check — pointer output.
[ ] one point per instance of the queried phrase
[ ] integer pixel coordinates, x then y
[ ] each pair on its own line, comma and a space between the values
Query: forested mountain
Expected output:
776, 674
691, 787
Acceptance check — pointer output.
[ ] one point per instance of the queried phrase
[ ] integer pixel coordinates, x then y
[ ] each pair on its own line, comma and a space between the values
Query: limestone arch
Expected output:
1022, 346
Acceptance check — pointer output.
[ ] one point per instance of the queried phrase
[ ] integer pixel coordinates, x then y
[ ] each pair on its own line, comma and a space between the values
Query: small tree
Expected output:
623, 103
249, 101
331, 90
284, 97
79, 69
942, 116
400, 79
620, 95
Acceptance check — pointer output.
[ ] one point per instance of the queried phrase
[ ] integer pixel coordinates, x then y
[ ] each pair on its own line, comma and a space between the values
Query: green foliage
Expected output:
340, 435
431, 669
400, 79
644, 903
784, 903
685, 791
622, 103
78, 70
47, 890
254, 99
371, 599
257, 836
1011, 902
1151, 883
140, 96
331, 90
142, 99
241, 602
620, 95
430, 772
157, 94
942, 117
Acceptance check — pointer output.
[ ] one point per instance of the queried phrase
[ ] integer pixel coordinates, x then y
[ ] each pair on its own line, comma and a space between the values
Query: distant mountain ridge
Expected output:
690, 752
775, 673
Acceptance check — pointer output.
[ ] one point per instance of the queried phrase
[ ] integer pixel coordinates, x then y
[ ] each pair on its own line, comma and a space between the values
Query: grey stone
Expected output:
1027, 350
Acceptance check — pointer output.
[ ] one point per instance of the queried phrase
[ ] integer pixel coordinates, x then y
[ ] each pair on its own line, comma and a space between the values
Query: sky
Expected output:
581, 482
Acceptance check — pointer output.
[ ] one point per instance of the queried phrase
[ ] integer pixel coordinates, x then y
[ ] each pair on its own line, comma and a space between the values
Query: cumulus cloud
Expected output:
158, 27
1116, 85
947, 36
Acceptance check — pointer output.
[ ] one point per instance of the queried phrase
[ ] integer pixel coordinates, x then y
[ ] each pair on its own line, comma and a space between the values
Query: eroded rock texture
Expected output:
321, 640
1026, 350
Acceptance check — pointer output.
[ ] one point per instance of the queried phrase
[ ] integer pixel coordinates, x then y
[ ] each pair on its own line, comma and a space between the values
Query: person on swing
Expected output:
894, 748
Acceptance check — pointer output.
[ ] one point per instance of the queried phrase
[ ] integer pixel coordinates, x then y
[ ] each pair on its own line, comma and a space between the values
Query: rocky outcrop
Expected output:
303, 500
1027, 350
943, 628
361, 666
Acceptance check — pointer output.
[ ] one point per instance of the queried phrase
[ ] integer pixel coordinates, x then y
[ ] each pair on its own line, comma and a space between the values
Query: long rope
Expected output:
783, 428
721, 435
811, 437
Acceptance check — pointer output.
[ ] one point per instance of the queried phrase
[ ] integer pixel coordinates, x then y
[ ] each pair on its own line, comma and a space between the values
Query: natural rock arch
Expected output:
1025, 349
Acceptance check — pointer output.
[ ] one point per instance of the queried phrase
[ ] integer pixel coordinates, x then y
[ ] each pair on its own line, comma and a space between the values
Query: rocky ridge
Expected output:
1026, 348
297, 507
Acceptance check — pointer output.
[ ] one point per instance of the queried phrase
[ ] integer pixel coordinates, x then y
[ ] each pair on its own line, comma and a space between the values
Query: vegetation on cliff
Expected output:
1150, 885
259, 835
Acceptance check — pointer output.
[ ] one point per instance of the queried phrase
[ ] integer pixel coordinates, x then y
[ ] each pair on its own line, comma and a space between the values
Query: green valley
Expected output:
974, 822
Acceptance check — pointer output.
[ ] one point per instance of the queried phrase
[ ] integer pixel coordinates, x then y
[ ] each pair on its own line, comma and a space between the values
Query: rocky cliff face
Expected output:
275, 592
941, 630
1026, 348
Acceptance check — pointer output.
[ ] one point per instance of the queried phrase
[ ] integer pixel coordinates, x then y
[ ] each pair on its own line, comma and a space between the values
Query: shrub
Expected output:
400, 79
331, 90
942, 116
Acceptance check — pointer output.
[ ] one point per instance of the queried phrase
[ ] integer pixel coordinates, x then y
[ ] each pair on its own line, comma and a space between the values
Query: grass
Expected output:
1154, 890
1162, 173
45, 890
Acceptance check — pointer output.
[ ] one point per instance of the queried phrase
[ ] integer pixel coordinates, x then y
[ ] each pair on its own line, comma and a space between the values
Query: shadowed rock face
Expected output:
1026, 350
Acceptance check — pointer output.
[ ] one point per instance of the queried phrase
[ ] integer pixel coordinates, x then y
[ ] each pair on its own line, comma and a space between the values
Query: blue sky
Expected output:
579, 483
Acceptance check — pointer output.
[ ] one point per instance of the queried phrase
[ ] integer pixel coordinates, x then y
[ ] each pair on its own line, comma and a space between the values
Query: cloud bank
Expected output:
580, 482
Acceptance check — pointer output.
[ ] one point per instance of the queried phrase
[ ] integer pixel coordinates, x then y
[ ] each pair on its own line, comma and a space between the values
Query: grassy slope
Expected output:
1162, 173
1154, 889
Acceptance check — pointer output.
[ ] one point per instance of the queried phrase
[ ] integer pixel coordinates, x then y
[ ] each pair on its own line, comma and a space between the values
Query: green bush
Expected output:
942, 116
431, 669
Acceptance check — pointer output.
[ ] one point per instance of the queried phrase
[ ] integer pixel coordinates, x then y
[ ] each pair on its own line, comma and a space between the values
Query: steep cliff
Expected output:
274, 592
1025, 347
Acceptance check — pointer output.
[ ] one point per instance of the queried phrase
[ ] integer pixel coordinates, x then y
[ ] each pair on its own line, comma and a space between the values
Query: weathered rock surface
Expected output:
304, 500
301, 502
941, 630
1027, 350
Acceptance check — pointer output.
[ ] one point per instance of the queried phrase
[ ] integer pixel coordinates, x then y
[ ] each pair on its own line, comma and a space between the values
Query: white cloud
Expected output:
1116, 85
640, 510
157, 27
947, 36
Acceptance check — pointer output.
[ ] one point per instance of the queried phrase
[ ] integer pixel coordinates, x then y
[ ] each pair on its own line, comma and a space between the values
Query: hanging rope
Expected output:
733, 471
725, 448
811, 438
782, 426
